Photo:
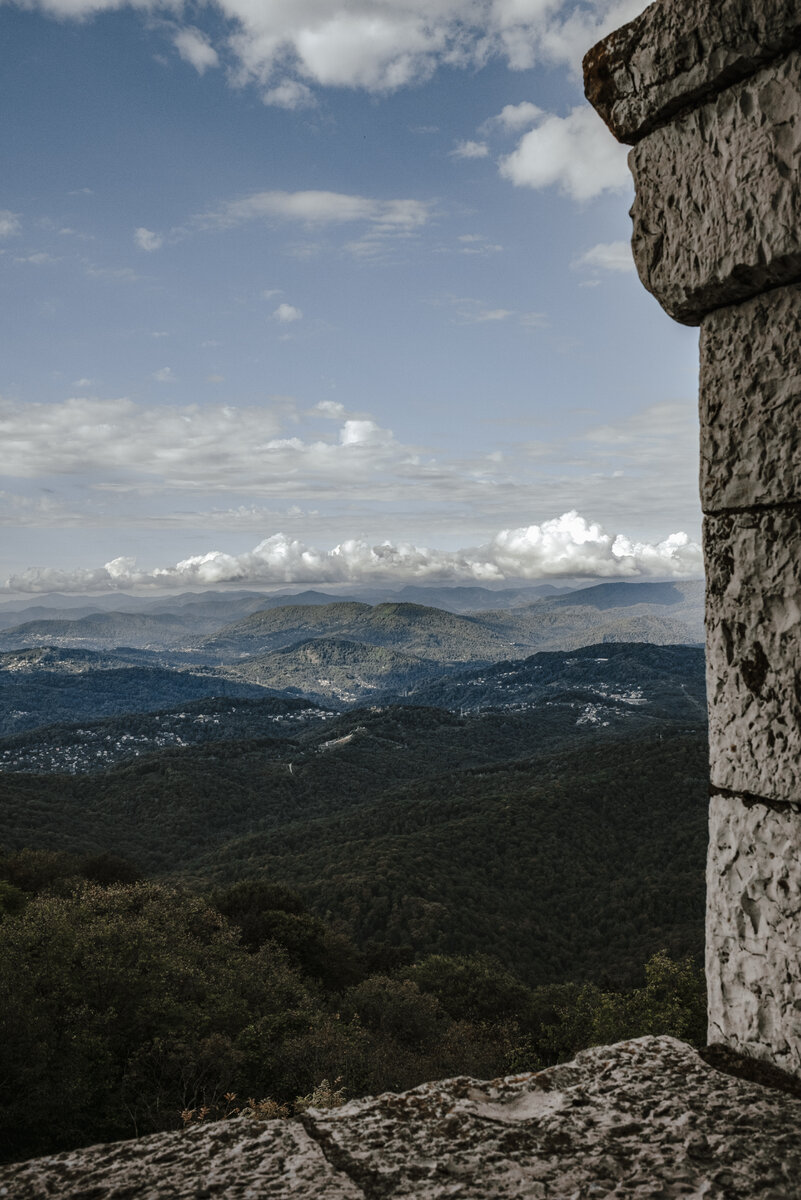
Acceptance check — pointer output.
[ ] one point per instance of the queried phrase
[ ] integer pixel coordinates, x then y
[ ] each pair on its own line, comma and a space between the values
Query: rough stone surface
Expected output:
718, 196
674, 56
753, 561
646, 1118
753, 930
238, 1160
751, 402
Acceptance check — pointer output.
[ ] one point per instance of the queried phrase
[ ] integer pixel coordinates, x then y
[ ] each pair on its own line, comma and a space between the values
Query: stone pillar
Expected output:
708, 94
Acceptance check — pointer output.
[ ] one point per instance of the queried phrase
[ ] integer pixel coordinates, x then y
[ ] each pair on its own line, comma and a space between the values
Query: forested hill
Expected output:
417, 828
425, 632
335, 669
58, 692
607, 678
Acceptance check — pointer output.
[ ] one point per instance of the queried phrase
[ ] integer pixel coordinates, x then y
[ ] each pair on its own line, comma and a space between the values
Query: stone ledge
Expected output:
718, 193
753, 933
643, 1118
676, 55
750, 401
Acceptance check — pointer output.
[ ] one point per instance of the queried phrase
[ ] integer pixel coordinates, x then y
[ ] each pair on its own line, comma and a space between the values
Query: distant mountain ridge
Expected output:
425, 632
273, 647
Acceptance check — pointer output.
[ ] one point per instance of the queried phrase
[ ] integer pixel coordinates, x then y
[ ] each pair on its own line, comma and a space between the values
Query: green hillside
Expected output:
419, 827
425, 632
33, 698
336, 669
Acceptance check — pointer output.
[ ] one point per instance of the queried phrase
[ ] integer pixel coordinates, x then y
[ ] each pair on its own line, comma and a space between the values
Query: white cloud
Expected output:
195, 48
331, 409
565, 546
379, 46
146, 239
290, 94
39, 259
476, 243
476, 312
319, 208
286, 313
491, 314
514, 117
9, 223
470, 150
607, 256
576, 153
164, 375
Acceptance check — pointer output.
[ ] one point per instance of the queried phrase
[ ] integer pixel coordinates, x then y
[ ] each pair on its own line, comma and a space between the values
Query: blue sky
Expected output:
321, 291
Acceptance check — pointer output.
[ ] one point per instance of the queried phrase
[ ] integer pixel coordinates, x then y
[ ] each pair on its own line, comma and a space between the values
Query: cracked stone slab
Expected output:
718, 196
753, 931
643, 1119
675, 55
753, 620
750, 401
237, 1160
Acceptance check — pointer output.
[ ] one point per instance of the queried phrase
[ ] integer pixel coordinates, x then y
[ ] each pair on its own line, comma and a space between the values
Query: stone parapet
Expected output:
753, 948
718, 196
710, 93
674, 56
751, 449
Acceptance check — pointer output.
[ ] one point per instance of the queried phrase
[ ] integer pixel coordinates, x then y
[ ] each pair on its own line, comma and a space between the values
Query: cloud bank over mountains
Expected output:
565, 547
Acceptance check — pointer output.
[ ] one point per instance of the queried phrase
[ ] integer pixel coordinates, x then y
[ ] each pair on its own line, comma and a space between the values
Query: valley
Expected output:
375, 755
248, 843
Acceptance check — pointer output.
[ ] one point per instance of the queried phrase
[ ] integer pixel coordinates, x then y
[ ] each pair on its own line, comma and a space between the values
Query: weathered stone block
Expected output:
751, 402
753, 564
717, 213
673, 56
753, 949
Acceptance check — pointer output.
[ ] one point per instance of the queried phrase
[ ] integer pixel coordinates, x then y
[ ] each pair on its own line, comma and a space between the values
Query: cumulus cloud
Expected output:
607, 256
146, 239
514, 117
575, 153
565, 546
9, 223
195, 48
164, 375
287, 313
470, 150
290, 94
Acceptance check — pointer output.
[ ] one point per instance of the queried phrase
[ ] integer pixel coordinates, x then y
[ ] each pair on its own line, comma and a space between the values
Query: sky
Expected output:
326, 291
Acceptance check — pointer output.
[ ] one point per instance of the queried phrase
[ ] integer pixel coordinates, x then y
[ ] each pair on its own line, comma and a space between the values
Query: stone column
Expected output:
708, 94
